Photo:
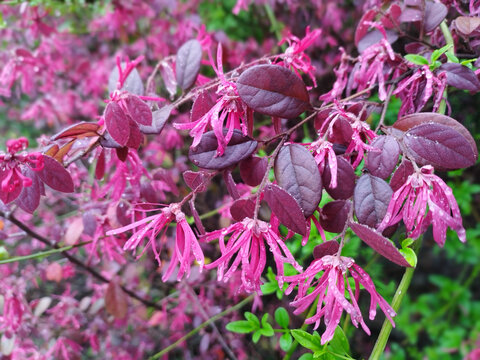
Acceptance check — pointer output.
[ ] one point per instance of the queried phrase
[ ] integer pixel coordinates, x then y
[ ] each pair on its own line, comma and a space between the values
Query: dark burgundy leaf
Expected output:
89, 223
29, 198
202, 104
196, 217
411, 15
370, 199
54, 175
334, 215
116, 301
138, 110
382, 162
273, 90
242, 208
80, 129
326, 248
374, 37
136, 137
195, 179
100, 168
341, 132
339, 149
362, 28
345, 180
148, 192
204, 155
435, 12
107, 142
116, 123
159, 119
297, 172
415, 48
400, 176
391, 18
440, 146
252, 170
461, 77
123, 213
380, 244
122, 153
285, 208
409, 121
187, 66
231, 186
133, 84
466, 24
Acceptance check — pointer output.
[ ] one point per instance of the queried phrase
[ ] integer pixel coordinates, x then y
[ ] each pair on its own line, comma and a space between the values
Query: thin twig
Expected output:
385, 107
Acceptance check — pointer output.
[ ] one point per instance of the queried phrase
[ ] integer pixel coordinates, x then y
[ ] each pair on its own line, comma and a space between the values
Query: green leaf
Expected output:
339, 343
282, 318
241, 327
416, 59
3, 253
252, 319
3, 24
306, 340
285, 341
256, 336
408, 253
452, 57
266, 329
439, 52
269, 288
308, 356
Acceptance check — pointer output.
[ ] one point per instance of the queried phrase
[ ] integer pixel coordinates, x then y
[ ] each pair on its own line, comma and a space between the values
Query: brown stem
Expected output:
10, 217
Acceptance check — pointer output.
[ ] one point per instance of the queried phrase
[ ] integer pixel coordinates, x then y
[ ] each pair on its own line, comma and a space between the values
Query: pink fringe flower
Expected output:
247, 239
186, 243
12, 178
423, 188
229, 108
330, 289
323, 150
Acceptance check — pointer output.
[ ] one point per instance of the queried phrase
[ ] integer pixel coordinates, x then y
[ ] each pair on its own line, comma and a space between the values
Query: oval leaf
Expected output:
273, 90
334, 215
346, 180
327, 248
370, 199
252, 170
286, 208
296, 171
55, 175
466, 25
242, 208
138, 110
159, 119
435, 12
187, 66
202, 104
382, 162
204, 155
461, 77
400, 176
440, 146
29, 198
116, 123
195, 179
77, 130
380, 244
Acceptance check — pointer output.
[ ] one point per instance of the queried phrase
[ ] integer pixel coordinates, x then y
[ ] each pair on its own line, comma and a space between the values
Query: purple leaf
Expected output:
380, 244
202, 104
9, 196
440, 146
461, 77
159, 119
466, 24
273, 90
167, 177
107, 142
133, 83
381, 163
346, 180
363, 27
116, 123
411, 15
89, 223
54, 175
370, 199
100, 167
29, 198
136, 137
334, 215
242, 208
138, 110
231, 185
400, 176
296, 171
374, 37
285, 208
204, 155
252, 170
76, 130
409, 121
122, 153
435, 12
187, 66
326, 248
195, 179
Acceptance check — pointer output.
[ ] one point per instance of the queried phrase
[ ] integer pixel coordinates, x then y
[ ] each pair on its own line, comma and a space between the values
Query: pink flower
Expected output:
186, 243
330, 289
229, 109
12, 178
11, 314
247, 239
323, 150
423, 188
295, 56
